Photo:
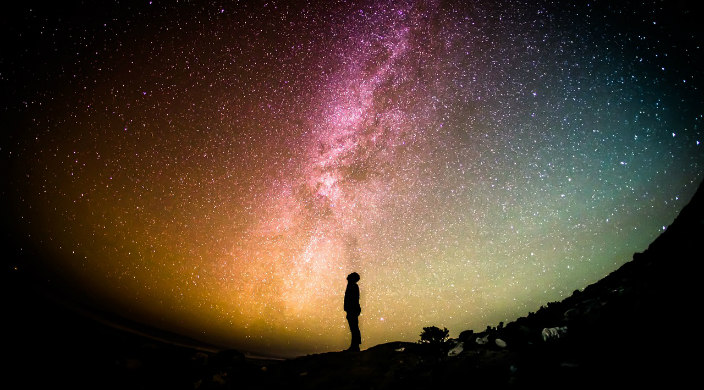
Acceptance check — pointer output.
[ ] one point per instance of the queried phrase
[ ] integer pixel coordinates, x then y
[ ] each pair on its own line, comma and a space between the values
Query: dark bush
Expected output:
434, 335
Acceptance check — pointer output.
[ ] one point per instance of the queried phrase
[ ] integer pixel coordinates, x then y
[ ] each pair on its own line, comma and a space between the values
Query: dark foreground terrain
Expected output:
634, 327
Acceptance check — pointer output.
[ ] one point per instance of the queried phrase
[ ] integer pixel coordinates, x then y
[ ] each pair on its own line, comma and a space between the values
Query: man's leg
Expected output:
354, 329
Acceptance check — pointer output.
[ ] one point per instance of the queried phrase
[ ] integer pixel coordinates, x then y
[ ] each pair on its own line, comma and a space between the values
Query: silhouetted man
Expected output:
353, 309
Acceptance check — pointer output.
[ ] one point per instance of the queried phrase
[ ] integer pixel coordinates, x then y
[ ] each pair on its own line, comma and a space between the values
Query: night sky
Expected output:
218, 168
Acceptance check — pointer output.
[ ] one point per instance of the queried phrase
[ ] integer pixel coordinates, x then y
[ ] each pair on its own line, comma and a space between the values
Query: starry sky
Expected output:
217, 168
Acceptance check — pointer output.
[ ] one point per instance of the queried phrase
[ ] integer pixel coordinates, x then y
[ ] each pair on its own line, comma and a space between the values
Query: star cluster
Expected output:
218, 168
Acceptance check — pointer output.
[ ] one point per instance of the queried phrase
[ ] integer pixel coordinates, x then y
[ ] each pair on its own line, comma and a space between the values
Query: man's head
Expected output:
353, 277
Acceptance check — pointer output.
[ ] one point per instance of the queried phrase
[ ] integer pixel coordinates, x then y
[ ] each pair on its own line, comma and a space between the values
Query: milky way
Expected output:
218, 169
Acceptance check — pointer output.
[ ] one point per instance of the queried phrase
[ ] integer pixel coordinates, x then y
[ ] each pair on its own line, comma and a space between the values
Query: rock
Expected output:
456, 350
220, 378
553, 333
466, 335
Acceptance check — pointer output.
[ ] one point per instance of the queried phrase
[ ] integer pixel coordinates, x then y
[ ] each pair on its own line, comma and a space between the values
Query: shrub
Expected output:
434, 335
